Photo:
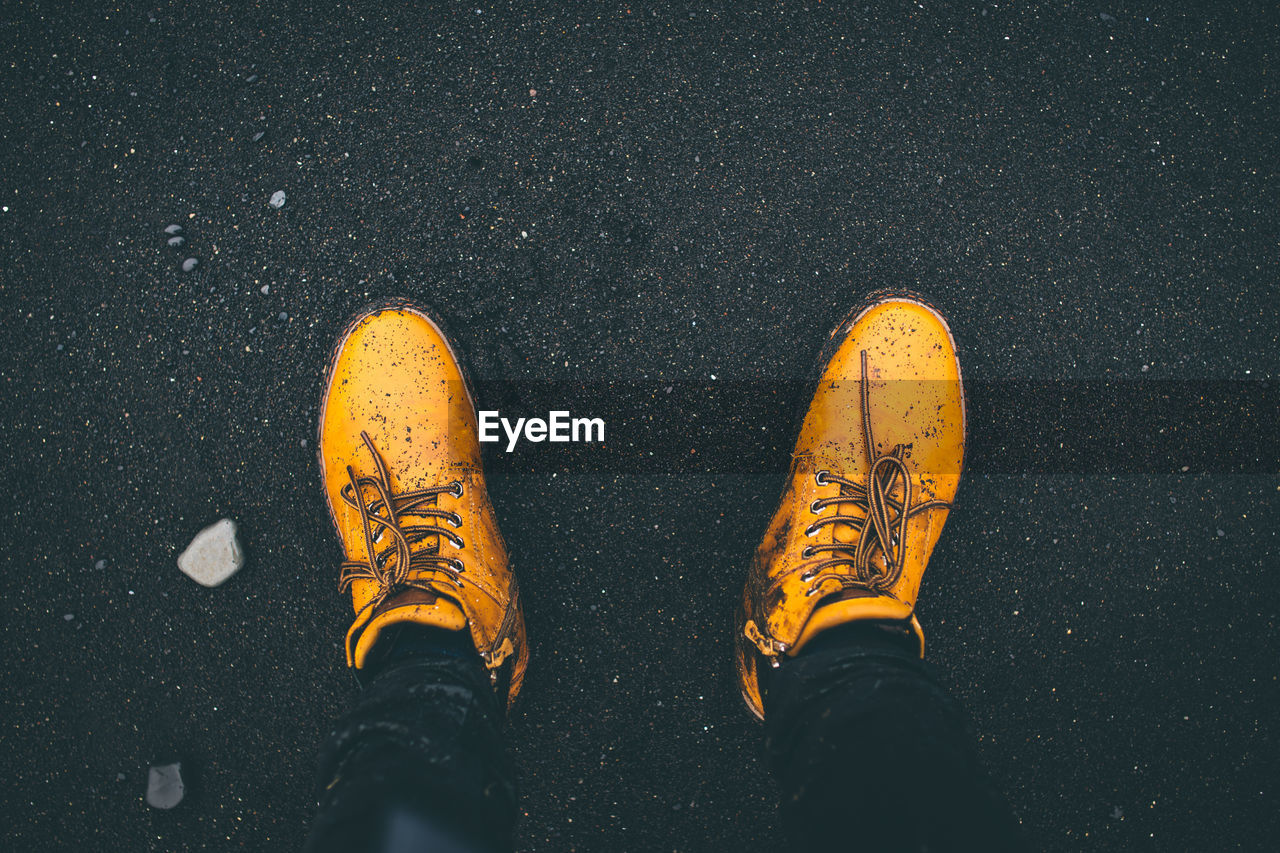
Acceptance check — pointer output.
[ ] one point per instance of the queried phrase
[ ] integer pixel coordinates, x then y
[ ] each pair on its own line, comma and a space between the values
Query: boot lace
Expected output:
881, 529
398, 565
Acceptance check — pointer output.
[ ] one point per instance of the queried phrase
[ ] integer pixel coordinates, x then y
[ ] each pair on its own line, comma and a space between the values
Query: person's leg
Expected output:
419, 764
438, 637
871, 753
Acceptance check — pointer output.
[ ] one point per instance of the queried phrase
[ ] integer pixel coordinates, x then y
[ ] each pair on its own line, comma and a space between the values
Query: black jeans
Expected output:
420, 763
869, 751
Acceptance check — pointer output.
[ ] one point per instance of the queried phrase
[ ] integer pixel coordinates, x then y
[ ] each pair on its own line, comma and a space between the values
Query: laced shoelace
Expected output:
398, 566
882, 527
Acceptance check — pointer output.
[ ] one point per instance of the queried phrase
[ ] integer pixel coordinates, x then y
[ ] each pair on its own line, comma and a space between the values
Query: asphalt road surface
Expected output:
654, 215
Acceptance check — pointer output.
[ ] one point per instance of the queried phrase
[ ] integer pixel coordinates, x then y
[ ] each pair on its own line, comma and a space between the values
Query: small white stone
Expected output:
277, 199
164, 786
214, 555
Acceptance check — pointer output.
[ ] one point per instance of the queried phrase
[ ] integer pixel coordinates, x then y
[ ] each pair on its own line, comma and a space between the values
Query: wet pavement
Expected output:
654, 216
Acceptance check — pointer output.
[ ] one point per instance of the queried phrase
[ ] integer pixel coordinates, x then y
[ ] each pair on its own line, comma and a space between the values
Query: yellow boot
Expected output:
400, 463
874, 472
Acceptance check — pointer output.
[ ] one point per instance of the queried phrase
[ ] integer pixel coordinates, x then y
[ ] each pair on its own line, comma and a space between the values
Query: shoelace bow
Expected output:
879, 527
398, 566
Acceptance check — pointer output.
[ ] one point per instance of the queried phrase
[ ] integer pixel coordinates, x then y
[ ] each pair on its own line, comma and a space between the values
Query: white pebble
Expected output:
189, 264
277, 199
164, 786
214, 555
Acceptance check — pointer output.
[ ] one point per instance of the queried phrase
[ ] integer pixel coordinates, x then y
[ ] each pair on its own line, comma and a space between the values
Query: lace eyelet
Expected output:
459, 567
807, 576
821, 477
812, 591
814, 508
460, 544
454, 520
811, 531
806, 554
456, 485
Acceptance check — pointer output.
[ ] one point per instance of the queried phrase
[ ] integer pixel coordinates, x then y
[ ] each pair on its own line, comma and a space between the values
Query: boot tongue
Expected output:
432, 542
848, 535
412, 605
414, 597
843, 533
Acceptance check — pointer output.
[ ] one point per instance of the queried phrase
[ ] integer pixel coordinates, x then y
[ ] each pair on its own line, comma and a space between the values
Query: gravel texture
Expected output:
671, 209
